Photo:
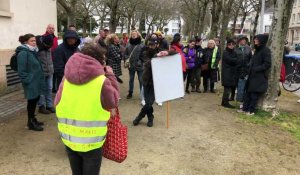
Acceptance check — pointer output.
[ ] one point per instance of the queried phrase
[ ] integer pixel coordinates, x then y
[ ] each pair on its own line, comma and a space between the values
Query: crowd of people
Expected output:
84, 75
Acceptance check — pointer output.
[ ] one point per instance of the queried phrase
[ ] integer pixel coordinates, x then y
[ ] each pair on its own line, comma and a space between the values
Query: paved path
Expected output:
11, 103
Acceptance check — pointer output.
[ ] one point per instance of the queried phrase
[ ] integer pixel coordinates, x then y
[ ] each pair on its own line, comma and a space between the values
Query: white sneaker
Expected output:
250, 113
159, 104
143, 102
298, 101
241, 106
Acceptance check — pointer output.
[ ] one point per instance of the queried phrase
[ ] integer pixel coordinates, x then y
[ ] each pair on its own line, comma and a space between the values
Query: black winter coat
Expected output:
229, 65
63, 52
259, 67
244, 56
134, 51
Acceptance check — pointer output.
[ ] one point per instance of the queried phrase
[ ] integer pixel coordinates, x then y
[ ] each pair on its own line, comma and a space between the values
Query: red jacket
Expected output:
178, 48
81, 69
55, 42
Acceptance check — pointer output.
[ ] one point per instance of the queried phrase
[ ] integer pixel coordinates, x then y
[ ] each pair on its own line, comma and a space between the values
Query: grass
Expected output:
285, 120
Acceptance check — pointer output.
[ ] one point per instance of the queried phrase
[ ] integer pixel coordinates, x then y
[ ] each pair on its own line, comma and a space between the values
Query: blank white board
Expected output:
167, 78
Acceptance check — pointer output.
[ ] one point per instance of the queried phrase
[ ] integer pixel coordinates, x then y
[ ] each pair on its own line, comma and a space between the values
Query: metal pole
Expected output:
262, 14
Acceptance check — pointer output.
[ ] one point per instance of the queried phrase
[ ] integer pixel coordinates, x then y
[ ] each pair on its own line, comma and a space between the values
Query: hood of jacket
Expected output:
71, 34
82, 68
23, 48
263, 39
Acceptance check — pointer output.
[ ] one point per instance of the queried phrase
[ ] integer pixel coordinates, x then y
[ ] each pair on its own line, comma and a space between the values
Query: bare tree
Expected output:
216, 8
114, 13
100, 9
69, 6
246, 8
279, 28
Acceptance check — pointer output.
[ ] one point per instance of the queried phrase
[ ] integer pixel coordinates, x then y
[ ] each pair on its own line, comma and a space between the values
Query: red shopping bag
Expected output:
116, 144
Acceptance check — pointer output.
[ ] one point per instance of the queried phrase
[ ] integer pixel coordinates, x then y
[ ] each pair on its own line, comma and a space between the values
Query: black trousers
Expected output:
226, 93
149, 100
206, 79
190, 76
85, 163
31, 106
197, 77
250, 101
56, 82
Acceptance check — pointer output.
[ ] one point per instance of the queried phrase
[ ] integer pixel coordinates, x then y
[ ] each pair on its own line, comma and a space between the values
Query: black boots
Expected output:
150, 120
52, 110
129, 96
43, 110
33, 124
137, 120
227, 105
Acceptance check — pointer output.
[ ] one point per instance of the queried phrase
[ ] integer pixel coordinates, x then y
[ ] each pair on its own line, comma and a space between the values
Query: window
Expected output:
298, 17
174, 24
267, 29
5, 8
175, 30
293, 19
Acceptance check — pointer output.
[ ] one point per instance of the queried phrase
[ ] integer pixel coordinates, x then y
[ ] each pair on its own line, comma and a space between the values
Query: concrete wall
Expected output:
20, 17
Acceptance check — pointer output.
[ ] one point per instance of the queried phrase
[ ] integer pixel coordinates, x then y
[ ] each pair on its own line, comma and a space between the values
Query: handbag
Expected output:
204, 67
127, 62
116, 144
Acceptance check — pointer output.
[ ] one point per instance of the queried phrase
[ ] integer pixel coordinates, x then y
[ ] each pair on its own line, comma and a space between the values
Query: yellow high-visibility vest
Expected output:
82, 121
214, 56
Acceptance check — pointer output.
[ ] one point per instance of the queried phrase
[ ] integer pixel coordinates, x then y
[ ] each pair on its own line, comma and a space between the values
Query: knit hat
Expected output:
230, 41
47, 40
176, 35
242, 37
158, 33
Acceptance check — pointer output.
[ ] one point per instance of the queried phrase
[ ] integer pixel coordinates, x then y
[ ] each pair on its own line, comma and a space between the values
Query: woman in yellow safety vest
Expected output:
85, 96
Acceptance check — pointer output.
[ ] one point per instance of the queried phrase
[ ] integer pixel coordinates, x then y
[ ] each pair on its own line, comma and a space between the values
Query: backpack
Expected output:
14, 62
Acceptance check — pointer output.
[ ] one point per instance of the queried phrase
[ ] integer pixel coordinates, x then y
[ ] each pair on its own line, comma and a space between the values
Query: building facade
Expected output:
294, 28
18, 17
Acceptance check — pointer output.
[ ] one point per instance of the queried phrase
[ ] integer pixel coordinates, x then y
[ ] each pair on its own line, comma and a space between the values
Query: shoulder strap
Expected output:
132, 52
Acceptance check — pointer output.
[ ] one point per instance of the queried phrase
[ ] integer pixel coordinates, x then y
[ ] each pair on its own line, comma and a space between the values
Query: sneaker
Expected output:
198, 90
250, 113
241, 111
213, 91
159, 104
193, 90
43, 110
241, 106
143, 102
298, 101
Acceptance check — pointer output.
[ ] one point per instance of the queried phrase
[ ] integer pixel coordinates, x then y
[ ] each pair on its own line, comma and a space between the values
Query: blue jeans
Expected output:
131, 80
46, 100
241, 90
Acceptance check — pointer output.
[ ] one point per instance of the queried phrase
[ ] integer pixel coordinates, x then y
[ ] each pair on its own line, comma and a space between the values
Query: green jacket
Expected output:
30, 72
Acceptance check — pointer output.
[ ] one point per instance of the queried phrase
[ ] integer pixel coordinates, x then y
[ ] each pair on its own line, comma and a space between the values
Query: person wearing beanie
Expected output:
135, 63
44, 44
244, 55
178, 47
229, 63
257, 82
163, 43
62, 54
150, 52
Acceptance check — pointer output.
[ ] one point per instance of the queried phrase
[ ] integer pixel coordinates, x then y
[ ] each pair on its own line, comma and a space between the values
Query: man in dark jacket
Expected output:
62, 54
150, 52
244, 54
163, 43
257, 83
229, 63
198, 62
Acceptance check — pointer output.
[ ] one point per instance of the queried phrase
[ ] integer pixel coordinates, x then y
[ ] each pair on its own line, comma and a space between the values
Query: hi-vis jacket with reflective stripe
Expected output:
82, 122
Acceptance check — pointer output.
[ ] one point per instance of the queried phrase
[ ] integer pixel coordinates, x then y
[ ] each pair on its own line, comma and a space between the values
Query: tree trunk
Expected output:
203, 13
280, 24
215, 12
114, 15
255, 25
142, 23
236, 15
243, 21
227, 7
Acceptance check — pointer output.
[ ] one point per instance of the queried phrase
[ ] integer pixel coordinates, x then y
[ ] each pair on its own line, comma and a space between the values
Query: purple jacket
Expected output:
190, 57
